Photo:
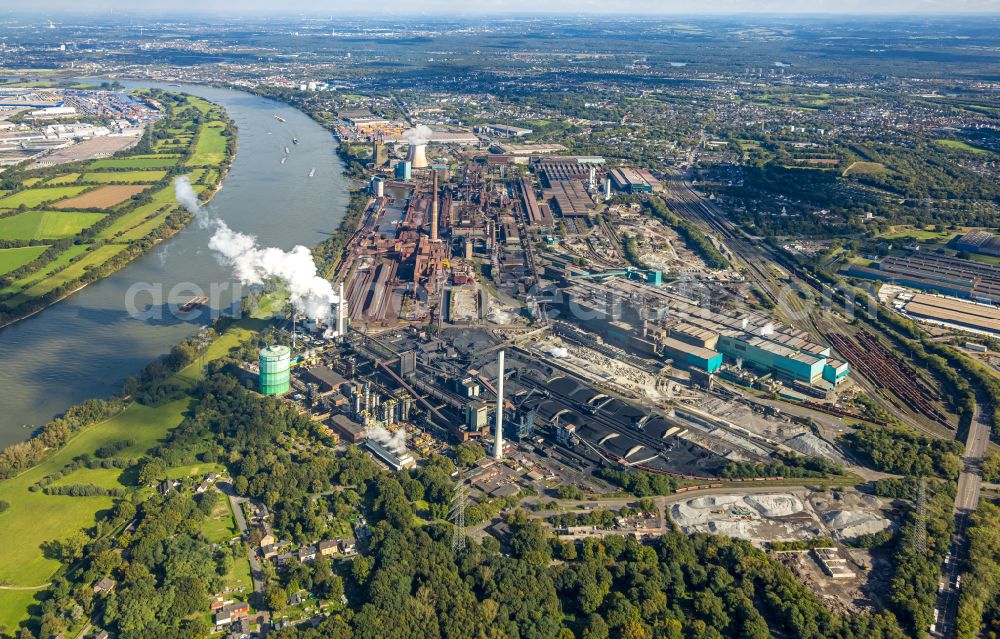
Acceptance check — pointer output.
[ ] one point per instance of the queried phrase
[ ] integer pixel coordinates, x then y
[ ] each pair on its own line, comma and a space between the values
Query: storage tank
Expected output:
275, 369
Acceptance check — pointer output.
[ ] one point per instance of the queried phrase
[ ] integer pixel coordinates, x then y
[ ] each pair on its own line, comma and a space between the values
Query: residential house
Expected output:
307, 553
104, 585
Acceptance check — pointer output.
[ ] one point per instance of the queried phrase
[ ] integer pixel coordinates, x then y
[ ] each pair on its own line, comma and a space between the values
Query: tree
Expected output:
468, 453
275, 597
361, 568
152, 470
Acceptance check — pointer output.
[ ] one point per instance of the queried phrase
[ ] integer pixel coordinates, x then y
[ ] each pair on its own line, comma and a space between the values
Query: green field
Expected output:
920, 234
14, 605
959, 145
985, 259
211, 147
134, 163
14, 258
127, 221
157, 156
43, 225
867, 168
128, 177
60, 262
34, 517
146, 227
196, 130
62, 179
73, 272
160, 199
103, 477
220, 526
36, 197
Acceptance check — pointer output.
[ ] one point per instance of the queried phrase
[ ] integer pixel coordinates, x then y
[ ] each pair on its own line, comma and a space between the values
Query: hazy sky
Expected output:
459, 7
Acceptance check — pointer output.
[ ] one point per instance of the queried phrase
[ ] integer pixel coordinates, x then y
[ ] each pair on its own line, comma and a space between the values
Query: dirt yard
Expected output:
102, 198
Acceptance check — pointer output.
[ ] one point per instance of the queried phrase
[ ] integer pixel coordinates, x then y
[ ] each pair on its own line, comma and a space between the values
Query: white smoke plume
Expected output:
559, 352
420, 134
309, 293
393, 441
185, 194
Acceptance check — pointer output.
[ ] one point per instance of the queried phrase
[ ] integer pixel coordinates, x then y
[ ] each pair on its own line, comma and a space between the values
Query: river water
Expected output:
86, 345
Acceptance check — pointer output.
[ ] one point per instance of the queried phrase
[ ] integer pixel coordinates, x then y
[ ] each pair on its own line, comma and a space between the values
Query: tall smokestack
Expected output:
434, 211
341, 313
498, 437
418, 155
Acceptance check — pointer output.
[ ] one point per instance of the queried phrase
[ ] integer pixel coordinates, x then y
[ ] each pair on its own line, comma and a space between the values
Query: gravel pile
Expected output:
850, 524
812, 446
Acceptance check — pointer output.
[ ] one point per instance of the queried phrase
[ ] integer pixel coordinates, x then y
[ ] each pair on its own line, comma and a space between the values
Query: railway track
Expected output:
693, 207
874, 361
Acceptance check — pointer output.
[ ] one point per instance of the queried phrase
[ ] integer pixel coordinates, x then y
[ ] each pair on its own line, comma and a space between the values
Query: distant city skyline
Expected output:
505, 7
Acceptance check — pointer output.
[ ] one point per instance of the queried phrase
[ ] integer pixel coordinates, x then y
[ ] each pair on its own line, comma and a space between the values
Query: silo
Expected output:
275, 370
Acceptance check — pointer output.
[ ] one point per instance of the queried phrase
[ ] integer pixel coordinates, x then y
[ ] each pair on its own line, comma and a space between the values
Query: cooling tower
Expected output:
418, 155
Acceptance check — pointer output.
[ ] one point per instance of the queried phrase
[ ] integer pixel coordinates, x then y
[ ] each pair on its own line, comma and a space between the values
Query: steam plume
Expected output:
309, 293
185, 195
394, 441
420, 134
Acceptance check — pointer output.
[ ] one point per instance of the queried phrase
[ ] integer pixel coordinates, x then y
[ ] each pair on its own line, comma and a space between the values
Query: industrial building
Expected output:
570, 198
933, 308
633, 181
275, 370
362, 118
325, 379
404, 171
981, 242
348, 429
935, 272
666, 324
393, 461
476, 415
509, 131
530, 149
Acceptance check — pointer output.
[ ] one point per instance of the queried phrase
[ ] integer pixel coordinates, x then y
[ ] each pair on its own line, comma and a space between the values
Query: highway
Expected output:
970, 482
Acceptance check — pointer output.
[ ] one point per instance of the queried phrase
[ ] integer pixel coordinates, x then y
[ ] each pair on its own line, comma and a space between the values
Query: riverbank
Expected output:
37, 518
88, 344
34, 519
193, 137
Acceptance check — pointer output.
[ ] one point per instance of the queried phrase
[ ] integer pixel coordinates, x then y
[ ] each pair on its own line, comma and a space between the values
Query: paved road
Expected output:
966, 502
256, 571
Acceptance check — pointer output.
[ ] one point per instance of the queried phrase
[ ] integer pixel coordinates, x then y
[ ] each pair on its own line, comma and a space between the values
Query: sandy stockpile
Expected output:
701, 510
738, 529
849, 524
778, 505
812, 446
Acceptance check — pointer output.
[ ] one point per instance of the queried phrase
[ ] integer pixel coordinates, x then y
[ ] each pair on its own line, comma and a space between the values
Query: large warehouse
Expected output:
943, 310
672, 326
935, 272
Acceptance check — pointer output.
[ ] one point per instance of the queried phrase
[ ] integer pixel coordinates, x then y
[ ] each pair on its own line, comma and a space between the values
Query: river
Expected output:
86, 345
